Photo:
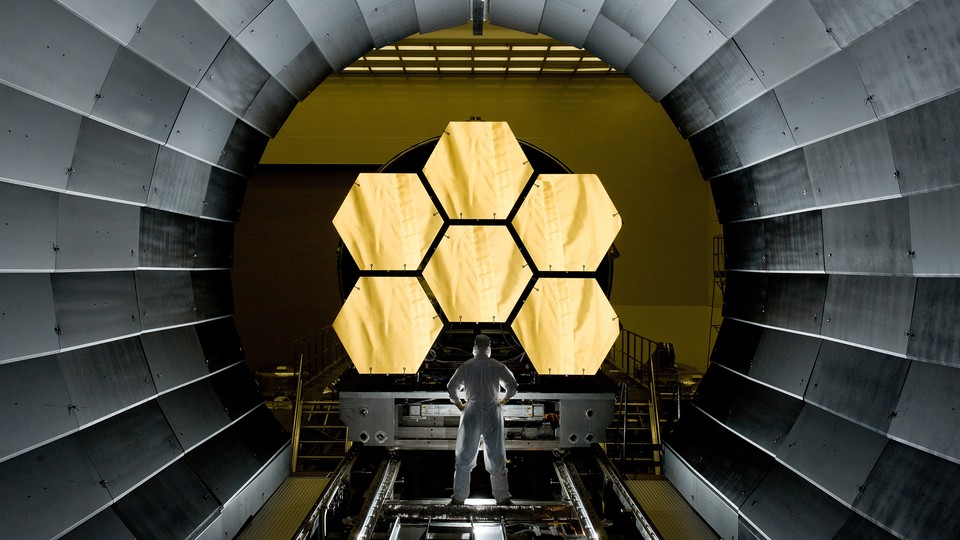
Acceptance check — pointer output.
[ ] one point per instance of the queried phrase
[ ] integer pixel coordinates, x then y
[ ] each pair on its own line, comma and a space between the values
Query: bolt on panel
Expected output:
28, 324
214, 245
167, 240
220, 343
848, 21
389, 20
785, 505
685, 37
569, 21
795, 301
736, 345
611, 43
179, 183
794, 242
715, 151
111, 163
243, 148
924, 142
337, 28
782, 184
225, 192
106, 524
305, 71
654, 73
96, 306
194, 412
638, 17
734, 196
436, 14
687, 107
759, 130
270, 108
117, 18
743, 245
35, 405
935, 232
202, 128
873, 311
522, 15
97, 234
224, 463
275, 36
924, 415
729, 16
785, 360
165, 298
933, 328
234, 15
871, 238
853, 166
237, 390
727, 81
212, 292
234, 79
37, 144
174, 357
745, 295
28, 228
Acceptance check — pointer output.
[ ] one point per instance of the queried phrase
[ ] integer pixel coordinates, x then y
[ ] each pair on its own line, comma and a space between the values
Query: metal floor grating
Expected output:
673, 517
284, 511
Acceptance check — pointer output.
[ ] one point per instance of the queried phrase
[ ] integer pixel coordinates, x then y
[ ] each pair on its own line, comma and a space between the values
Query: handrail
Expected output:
655, 414
297, 414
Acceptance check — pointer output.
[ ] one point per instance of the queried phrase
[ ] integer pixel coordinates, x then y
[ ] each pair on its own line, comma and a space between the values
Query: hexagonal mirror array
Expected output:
476, 272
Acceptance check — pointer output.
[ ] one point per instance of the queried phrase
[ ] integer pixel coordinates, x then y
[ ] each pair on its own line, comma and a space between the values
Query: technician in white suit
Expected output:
480, 380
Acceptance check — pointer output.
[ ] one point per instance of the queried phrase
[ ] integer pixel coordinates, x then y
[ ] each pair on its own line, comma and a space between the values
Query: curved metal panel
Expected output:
933, 328
913, 59
166, 239
687, 108
923, 416
654, 73
784, 505
224, 198
611, 43
111, 163
270, 108
569, 21
871, 238
234, 15
729, 16
237, 390
275, 36
48, 490
638, 17
180, 37
262, 433
935, 232
214, 244
785, 360
389, 20
37, 145
96, 234
172, 504
436, 14
106, 524
736, 345
194, 412
913, 493
138, 96
339, 30
853, 166
794, 242
179, 182
220, 343
849, 20
118, 18
212, 292
165, 298
243, 148
870, 310
743, 245
104, 379
95, 306
174, 357
825, 99
129, 447
923, 141
224, 463
685, 37
202, 128
522, 15
858, 526
28, 324
715, 153
29, 230
782, 184
234, 79
35, 406
63, 58
833, 453
759, 130
861, 385
785, 39
745, 295
307, 69
734, 196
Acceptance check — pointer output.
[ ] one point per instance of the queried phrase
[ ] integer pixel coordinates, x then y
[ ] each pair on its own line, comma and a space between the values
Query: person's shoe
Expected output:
455, 502
506, 502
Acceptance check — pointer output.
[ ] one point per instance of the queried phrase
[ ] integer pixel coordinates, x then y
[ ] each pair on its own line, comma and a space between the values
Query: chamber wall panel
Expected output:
871, 238
858, 384
129, 447
569, 21
307, 70
28, 322
111, 163
242, 150
224, 197
654, 73
165, 298
262, 434
202, 128
118, 18
339, 30
522, 15
104, 379
923, 141
234, 15
220, 343
743, 245
270, 108
853, 166
172, 504
275, 36
389, 20
933, 328
745, 296
826, 99
913, 59
139, 96
97, 234
639, 17
759, 130
214, 244
782, 184
237, 390
858, 526
224, 464
729, 16
180, 37
179, 183
35, 406
925, 412
167, 240
37, 142
174, 356
95, 306
194, 412
714, 150
48, 490
873, 311
785, 39
685, 37
212, 293
794, 242
611, 43
687, 108
796, 301
727, 81
935, 232
106, 524
848, 21
29, 228
736, 345
234, 79
734, 196
832, 452
784, 505
785, 360
913, 493
63, 59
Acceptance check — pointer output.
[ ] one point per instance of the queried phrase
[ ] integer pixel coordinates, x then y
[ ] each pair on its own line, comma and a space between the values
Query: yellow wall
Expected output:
607, 126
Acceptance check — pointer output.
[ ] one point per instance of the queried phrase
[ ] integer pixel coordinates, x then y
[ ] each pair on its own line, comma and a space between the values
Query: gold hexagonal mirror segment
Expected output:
477, 273
566, 326
567, 222
387, 325
388, 221
477, 170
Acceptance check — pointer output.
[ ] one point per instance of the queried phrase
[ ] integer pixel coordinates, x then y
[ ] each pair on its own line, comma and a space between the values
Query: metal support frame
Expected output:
572, 490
